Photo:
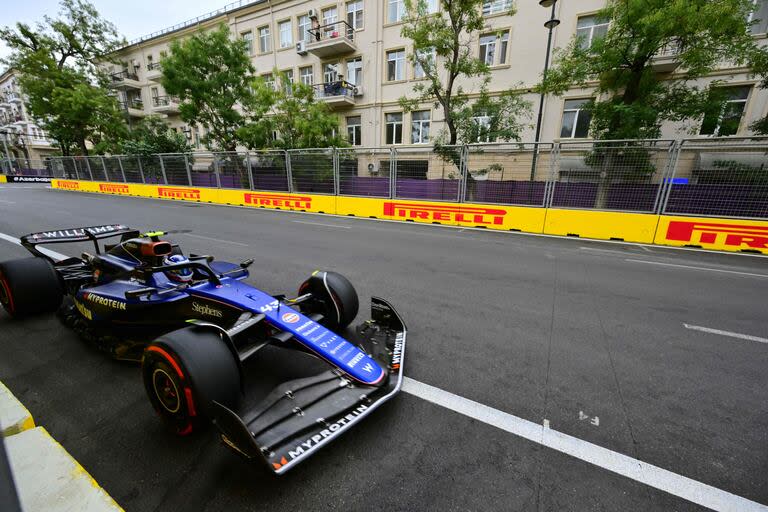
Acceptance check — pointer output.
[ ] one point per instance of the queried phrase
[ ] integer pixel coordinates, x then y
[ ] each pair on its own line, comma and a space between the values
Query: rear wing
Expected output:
71, 235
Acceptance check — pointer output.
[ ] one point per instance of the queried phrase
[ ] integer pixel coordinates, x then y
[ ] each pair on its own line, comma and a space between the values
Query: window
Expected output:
265, 39
248, 38
423, 56
394, 128
303, 25
420, 121
355, 71
493, 48
269, 80
575, 120
355, 14
287, 81
590, 28
728, 120
330, 73
354, 130
395, 10
496, 7
759, 17
150, 61
307, 75
395, 65
285, 33
330, 15
482, 122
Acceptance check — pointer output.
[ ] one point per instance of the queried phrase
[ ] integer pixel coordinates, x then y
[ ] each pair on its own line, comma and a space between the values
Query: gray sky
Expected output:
133, 18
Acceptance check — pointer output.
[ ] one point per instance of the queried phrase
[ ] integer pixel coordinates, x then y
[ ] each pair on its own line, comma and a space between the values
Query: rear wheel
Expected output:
333, 296
29, 286
184, 372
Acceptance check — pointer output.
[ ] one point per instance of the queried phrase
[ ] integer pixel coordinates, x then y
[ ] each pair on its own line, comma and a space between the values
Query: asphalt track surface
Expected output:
587, 337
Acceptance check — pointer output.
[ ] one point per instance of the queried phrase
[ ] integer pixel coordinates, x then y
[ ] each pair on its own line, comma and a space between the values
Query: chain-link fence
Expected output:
720, 177
711, 177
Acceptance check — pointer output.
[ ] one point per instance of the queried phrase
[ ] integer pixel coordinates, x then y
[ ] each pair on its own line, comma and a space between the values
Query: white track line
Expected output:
7, 202
705, 269
648, 474
53, 254
321, 224
726, 333
216, 239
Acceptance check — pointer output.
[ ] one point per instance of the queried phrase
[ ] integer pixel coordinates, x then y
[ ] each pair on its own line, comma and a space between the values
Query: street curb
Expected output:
14, 417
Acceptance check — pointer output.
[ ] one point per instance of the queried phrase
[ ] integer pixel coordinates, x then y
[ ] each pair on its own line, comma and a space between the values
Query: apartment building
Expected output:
353, 53
20, 136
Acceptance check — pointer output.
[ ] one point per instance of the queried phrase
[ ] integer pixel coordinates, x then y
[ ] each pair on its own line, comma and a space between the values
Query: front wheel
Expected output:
333, 296
184, 372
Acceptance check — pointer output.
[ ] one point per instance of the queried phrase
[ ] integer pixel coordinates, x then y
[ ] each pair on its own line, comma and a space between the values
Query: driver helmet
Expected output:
183, 275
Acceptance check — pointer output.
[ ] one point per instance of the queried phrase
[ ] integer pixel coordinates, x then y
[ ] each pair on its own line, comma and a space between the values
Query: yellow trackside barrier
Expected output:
630, 227
721, 234
3, 179
712, 233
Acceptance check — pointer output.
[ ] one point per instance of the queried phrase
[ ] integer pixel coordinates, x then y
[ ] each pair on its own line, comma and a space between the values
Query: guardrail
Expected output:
701, 177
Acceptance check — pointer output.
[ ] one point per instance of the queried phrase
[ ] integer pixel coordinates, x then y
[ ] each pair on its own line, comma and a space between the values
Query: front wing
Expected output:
301, 416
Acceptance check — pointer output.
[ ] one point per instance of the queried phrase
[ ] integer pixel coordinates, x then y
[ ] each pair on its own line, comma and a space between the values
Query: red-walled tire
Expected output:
184, 372
29, 286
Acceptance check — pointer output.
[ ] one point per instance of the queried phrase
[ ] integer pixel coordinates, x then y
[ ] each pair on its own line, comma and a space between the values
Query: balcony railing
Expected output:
164, 101
155, 65
134, 107
667, 59
154, 71
338, 93
124, 75
331, 39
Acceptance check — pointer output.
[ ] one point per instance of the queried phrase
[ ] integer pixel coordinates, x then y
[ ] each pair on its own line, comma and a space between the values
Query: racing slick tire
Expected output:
29, 286
184, 372
334, 297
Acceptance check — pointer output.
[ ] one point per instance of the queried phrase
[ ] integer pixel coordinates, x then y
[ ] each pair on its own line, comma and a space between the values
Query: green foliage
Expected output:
293, 114
153, 136
633, 98
449, 36
211, 74
58, 73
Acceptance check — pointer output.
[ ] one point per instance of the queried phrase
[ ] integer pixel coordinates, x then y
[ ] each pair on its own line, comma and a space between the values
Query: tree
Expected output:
57, 62
288, 116
444, 50
632, 95
211, 74
153, 136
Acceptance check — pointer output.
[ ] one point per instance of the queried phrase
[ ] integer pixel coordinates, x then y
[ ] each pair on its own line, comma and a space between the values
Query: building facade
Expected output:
353, 53
20, 136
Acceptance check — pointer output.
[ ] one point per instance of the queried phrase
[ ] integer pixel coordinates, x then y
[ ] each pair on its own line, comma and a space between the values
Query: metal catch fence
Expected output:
710, 177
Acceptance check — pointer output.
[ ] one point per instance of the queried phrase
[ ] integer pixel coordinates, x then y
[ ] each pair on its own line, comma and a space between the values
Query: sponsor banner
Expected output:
278, 200
66, 184
181, 193
630, 227
712, 233
115, 188
3, 179
28, 179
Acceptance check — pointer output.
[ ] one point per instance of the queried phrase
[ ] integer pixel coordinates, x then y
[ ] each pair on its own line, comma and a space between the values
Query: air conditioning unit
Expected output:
312, 13
358, 90
301, 47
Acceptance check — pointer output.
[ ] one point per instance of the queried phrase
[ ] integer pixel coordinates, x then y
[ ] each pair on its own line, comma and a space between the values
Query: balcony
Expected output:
154, 71
332, 39
133, 108
165, 104
667, 59
14, 97
124, 80
337, 94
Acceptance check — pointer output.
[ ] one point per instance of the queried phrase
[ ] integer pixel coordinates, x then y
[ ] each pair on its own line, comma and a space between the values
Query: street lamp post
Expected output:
550, 25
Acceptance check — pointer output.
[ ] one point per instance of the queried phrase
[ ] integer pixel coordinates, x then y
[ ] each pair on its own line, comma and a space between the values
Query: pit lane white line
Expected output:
705, 269
730, 334
648, 474
321, 224
53, 254
216, 239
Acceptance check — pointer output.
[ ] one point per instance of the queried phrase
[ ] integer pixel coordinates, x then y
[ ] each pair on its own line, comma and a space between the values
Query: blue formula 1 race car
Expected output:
192, 322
